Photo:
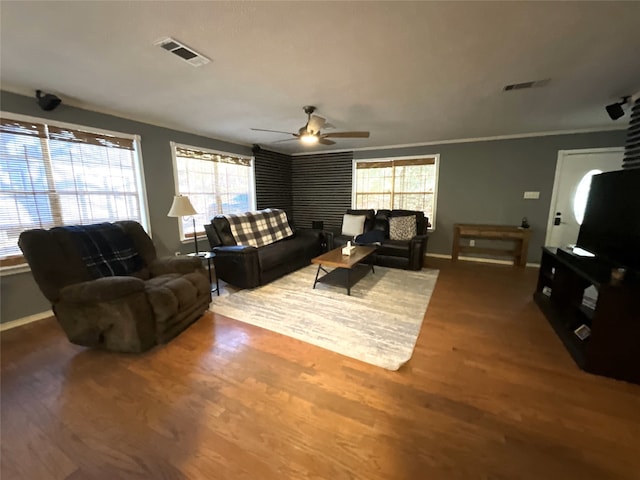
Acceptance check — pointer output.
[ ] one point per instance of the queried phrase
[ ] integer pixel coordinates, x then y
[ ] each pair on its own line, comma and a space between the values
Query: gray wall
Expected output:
480, 182
483, 182
19, 294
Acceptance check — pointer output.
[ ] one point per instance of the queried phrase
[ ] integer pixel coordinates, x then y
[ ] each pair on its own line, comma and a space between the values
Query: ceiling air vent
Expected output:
523, 85
187, 54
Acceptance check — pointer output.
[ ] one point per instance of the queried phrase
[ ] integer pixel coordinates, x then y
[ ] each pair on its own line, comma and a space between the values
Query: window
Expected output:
215, 182
582, 194
55, 174
400, 183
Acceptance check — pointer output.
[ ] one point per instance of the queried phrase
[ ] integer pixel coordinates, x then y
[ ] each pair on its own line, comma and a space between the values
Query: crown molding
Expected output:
72, 102
85, 106
472, 139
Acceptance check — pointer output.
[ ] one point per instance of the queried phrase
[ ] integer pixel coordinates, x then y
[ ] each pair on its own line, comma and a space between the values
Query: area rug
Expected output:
378, 324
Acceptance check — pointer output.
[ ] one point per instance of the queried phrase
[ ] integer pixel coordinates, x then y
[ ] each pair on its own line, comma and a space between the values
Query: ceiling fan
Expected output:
311, 133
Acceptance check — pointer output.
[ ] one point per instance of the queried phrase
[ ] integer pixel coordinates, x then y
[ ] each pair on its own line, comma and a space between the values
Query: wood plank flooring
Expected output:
490, 393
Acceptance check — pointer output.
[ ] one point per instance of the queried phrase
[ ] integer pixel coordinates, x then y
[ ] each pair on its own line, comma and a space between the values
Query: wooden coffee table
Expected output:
344, 265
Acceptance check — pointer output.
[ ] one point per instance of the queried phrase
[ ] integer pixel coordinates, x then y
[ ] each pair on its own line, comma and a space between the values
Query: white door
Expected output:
571, 189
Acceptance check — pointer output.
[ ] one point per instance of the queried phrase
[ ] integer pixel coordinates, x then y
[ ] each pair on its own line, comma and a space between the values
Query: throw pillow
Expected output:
370, 238
352, 225
402, 228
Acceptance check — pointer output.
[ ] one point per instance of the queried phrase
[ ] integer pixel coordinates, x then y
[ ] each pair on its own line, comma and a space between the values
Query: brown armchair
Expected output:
109, 290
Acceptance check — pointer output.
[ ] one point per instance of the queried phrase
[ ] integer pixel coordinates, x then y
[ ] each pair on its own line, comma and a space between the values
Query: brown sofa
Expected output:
102, 305
405, 254
248, 266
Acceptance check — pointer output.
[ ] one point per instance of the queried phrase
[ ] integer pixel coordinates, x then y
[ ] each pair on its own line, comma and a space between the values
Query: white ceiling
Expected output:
409, 72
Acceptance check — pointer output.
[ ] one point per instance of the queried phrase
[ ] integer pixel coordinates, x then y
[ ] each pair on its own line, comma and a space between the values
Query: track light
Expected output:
615, 110
48, 101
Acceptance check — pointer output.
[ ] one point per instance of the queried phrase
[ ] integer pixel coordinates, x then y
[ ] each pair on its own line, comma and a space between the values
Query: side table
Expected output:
209, 256
519, 236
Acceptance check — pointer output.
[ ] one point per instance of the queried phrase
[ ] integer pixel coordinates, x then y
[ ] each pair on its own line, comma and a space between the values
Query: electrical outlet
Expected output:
531, 195
472, 243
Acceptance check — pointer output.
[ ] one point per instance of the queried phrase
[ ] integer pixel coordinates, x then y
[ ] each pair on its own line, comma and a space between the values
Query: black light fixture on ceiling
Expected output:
615, 110
48, 101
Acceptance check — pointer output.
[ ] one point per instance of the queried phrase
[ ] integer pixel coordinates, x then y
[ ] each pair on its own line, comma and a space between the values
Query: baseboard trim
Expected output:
479, 259
25, 320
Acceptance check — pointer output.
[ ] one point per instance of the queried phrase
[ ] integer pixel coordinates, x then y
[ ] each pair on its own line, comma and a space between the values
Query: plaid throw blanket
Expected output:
261, 228
106, 250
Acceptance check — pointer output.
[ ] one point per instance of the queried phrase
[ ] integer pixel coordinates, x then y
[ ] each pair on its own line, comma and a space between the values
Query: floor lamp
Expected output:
181, 207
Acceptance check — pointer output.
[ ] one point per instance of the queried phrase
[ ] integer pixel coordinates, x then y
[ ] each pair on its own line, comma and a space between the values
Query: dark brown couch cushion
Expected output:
394, 248
271, 256
103, 289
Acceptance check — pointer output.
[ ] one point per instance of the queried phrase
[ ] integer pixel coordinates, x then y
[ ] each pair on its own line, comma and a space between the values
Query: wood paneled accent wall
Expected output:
632, 147
273, 181
321, 186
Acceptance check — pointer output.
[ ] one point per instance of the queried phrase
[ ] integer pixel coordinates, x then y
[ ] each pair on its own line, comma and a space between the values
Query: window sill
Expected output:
186, 241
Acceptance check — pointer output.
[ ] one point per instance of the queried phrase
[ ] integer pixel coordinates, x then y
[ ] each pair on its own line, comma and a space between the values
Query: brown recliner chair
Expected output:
109, 290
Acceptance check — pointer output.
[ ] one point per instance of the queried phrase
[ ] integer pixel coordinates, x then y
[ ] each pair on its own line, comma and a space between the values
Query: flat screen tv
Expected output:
611, 226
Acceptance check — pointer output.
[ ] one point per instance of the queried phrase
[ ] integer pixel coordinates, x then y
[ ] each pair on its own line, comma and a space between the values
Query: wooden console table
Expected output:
519, 236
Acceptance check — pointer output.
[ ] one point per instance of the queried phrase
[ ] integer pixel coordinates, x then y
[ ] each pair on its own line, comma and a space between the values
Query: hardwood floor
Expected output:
490, 393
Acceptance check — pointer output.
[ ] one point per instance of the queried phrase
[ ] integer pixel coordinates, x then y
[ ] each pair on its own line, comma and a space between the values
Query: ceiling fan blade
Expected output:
325, 141
285, 140
346, 134
273, 131
315, 124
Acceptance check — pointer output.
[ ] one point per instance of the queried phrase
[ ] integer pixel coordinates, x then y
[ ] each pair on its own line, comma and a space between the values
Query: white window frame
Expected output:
435, 156
139, 165
252, 180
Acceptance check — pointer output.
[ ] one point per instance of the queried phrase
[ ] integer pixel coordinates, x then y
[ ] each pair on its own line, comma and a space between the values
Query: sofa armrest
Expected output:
417, 249
319, 235
238, 265
340, 240
103, 289
329, 239
235, 250
180, 264
419, 239
310, 232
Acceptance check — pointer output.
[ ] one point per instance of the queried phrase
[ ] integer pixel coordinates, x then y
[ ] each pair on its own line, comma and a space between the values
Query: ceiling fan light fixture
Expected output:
311, 132
309, 138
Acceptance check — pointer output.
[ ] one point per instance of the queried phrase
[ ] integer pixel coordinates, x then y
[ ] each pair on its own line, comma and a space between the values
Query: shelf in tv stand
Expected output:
613, 348
577, 348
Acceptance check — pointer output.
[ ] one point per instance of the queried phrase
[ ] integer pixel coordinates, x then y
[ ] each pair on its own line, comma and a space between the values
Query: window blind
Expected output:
632, 146
186, 152
216, 183
395, 163
52, 176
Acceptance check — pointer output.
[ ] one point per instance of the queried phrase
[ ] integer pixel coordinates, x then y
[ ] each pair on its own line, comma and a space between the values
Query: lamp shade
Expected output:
181, 207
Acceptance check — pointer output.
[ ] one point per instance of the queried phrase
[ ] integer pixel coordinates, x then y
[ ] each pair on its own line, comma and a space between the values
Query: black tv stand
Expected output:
613, 346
